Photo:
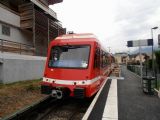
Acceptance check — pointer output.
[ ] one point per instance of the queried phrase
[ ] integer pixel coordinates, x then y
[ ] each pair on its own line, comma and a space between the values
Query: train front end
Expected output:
68, 69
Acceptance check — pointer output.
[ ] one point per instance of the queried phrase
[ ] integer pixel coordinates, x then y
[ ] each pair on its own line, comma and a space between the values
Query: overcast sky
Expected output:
114, 22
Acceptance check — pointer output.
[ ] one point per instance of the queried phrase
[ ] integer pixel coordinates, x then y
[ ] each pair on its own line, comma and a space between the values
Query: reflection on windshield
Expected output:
69, 56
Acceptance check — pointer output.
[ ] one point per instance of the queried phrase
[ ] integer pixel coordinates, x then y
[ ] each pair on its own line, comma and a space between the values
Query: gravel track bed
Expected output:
69, 109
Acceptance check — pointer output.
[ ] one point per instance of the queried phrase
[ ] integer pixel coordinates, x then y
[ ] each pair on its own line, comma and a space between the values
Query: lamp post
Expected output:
154, 28
109, 48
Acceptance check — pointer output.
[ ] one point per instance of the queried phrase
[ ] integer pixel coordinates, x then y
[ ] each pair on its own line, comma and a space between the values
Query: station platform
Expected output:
123, 99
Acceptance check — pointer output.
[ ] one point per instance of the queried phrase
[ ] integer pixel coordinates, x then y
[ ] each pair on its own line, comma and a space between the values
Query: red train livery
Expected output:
76, 66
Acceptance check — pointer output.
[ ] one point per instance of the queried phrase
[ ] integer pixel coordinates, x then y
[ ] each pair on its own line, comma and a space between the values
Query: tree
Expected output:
157, 54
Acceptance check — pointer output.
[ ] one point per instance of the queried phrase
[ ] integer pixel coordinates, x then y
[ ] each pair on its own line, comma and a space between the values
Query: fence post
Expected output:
20, 48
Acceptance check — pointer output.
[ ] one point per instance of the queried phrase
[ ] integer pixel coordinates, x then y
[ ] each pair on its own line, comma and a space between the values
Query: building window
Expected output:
5, 30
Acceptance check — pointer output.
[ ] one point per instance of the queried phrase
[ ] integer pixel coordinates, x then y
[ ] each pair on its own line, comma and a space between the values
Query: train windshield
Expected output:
69, 56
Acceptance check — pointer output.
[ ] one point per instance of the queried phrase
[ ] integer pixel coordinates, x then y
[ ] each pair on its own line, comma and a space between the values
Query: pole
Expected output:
146, 66
140, 57
109, 48
152, 53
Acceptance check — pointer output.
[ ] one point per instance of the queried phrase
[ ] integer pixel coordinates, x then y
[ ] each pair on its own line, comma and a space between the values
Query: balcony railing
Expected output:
15, 47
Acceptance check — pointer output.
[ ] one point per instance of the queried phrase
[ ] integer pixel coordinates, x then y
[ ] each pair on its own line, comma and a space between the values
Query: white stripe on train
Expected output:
75, 36
72, 82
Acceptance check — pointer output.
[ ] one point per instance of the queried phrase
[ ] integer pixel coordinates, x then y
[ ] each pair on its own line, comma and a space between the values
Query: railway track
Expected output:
33, 111
53, 109
70, 109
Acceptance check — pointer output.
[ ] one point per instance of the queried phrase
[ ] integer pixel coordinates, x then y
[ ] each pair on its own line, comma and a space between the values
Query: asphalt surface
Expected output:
133, 104
97, 112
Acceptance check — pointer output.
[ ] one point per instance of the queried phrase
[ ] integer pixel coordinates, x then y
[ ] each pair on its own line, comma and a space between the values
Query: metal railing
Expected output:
146, 72
16, 47
135, 68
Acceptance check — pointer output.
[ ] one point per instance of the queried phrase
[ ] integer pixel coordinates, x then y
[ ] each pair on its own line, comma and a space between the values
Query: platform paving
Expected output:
97, 111
133, 104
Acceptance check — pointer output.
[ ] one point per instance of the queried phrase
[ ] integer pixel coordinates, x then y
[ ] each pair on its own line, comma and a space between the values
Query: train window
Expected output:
104, 59
6, 30
97, 58
101, 59
70, 56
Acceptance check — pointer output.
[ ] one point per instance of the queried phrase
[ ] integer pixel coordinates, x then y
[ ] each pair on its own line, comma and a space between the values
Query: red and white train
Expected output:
76, 66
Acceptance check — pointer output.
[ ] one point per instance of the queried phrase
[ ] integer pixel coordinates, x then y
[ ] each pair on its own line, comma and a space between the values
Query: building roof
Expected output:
45, 8
137, 54
122, 54
51, 2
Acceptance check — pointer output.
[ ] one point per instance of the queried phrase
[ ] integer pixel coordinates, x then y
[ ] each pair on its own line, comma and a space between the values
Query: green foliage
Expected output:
157, 54
29, 84
158, 84
150, 64
32, 87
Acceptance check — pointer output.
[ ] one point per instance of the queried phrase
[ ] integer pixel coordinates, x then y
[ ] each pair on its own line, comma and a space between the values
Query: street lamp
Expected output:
109, 48
154, 28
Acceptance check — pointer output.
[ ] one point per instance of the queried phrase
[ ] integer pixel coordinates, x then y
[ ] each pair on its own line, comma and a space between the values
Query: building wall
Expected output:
138, 58
13, 21
17, 35
118, 59
21, 67
9, 17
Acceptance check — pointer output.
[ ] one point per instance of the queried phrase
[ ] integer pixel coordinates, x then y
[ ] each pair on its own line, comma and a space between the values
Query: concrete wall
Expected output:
9, 17
13, 21
17, 35
21, 67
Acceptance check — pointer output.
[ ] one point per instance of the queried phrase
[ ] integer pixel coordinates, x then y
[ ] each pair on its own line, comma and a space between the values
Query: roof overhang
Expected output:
47, 10
51, 2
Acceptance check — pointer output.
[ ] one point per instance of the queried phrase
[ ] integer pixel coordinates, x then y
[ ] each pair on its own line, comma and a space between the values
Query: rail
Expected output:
46, 108
16, 47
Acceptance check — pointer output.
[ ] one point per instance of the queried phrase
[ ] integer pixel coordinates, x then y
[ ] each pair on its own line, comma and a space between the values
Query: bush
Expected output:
32, 87
157, 54
150, 64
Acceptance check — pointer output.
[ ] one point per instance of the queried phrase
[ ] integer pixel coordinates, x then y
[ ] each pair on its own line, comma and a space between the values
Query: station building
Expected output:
26, 29
27, 26
121, 58
124, 58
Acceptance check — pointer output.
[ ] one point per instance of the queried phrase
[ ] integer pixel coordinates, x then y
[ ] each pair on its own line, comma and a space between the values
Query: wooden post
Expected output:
20, 48
34, 36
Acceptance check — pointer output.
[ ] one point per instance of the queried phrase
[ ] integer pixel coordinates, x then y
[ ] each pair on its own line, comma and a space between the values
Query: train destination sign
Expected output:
143, 42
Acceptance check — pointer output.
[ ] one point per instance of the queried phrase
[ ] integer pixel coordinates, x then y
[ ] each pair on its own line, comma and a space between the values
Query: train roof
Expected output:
82, 37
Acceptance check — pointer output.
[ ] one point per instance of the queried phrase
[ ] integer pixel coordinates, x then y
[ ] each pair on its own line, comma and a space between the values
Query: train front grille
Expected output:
79, 92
